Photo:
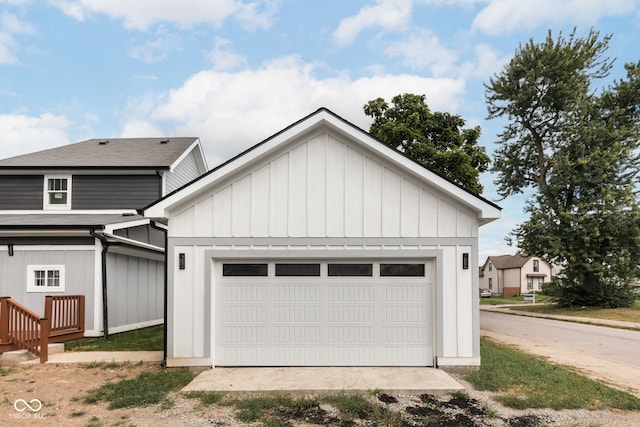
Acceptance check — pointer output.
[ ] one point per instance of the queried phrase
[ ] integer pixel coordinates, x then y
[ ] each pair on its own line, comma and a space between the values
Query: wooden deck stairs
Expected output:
21, 328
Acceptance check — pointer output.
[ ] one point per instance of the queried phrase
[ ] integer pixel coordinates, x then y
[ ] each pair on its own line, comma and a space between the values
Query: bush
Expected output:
608, 294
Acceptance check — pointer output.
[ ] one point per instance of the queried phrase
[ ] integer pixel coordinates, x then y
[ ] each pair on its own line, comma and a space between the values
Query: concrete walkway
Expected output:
103, 356
294, 379
508, 309
325, 379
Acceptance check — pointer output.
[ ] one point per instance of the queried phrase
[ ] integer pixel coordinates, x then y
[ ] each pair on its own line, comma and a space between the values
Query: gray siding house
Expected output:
321, 246
69, 224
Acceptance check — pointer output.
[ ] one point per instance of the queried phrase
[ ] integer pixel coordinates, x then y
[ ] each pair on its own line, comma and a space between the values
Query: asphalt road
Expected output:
608, 354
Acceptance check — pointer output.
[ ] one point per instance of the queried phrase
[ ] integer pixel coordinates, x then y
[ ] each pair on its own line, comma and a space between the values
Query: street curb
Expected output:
575, 319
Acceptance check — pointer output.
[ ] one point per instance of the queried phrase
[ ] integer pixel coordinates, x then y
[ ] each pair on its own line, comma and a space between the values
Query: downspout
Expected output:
166, 289
105, 304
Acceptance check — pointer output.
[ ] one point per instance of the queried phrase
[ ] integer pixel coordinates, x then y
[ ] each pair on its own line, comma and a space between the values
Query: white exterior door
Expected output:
323, 313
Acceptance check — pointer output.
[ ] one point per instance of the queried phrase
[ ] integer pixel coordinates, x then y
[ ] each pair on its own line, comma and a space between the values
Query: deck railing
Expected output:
24, 328
66, 316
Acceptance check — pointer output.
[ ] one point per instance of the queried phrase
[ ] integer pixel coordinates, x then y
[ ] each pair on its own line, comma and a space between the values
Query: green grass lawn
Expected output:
628, 314
524, 381
147, 339
519, 299
146, 389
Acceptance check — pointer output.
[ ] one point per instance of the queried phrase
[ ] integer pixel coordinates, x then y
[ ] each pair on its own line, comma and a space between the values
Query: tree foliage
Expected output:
434, 139
578, 148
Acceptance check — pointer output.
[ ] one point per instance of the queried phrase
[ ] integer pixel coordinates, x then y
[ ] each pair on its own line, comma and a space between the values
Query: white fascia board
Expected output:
109, 228
486, 211
133, 242
196, 145
163, 207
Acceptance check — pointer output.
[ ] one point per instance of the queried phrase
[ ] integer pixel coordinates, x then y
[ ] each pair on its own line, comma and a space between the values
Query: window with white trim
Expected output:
57, 192
45, 278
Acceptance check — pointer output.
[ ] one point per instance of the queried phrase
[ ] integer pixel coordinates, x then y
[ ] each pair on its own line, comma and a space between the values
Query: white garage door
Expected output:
364, 313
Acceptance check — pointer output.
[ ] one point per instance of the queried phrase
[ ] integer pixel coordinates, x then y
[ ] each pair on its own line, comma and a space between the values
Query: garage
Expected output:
324, 313
321, 246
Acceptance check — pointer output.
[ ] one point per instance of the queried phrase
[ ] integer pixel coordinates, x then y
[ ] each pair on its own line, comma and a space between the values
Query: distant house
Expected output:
69, 225
511, 275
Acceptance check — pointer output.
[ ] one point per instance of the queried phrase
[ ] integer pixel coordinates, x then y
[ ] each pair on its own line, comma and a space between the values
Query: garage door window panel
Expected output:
298, 270
250, 270
350, 270
401, 270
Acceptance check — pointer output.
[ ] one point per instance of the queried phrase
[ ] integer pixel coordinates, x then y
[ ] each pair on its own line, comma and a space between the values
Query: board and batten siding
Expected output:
186, 171
324, 187
135, 287
21, 192
114, 191
80, 273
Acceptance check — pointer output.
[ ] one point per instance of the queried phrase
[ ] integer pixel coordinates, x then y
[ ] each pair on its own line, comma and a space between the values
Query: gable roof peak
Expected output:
486, 210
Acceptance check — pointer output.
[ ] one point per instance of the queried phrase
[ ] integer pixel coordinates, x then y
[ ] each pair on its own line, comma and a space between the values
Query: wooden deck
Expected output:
21, 328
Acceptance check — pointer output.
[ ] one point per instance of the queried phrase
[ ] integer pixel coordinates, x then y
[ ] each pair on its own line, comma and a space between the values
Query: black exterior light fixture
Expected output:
10, 249
465, 261
181, 261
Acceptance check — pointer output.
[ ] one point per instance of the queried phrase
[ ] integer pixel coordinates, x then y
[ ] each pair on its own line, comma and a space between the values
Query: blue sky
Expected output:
233, 72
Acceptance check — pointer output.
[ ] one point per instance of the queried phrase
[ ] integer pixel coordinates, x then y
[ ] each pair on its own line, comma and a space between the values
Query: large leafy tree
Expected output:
577, 147
434, 139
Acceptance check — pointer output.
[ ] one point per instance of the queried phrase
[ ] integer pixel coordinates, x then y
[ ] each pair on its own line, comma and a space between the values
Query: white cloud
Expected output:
137, 128
487, 62
387, 14
23, 134
157, 50
223, 57
141, 14
503, 16
423, 50
69, 8
10, 26
233, 111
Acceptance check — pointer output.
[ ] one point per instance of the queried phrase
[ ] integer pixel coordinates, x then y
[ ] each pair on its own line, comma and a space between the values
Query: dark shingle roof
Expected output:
106, 153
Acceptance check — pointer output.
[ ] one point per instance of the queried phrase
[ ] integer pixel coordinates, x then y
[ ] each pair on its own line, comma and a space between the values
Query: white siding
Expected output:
79, 274
135, 291
186, 171
324, 187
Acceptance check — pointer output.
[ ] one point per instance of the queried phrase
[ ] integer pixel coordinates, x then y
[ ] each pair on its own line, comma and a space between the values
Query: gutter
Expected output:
105, 302
166, 289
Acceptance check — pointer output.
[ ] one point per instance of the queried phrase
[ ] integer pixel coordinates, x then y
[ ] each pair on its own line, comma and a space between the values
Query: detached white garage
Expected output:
321, 246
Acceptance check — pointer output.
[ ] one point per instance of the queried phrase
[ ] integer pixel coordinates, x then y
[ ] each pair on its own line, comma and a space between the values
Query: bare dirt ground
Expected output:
61, 388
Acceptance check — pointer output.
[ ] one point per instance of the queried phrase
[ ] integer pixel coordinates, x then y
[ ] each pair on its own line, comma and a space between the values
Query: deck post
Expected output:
48, 303
4, 320
44, 339
81, 313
